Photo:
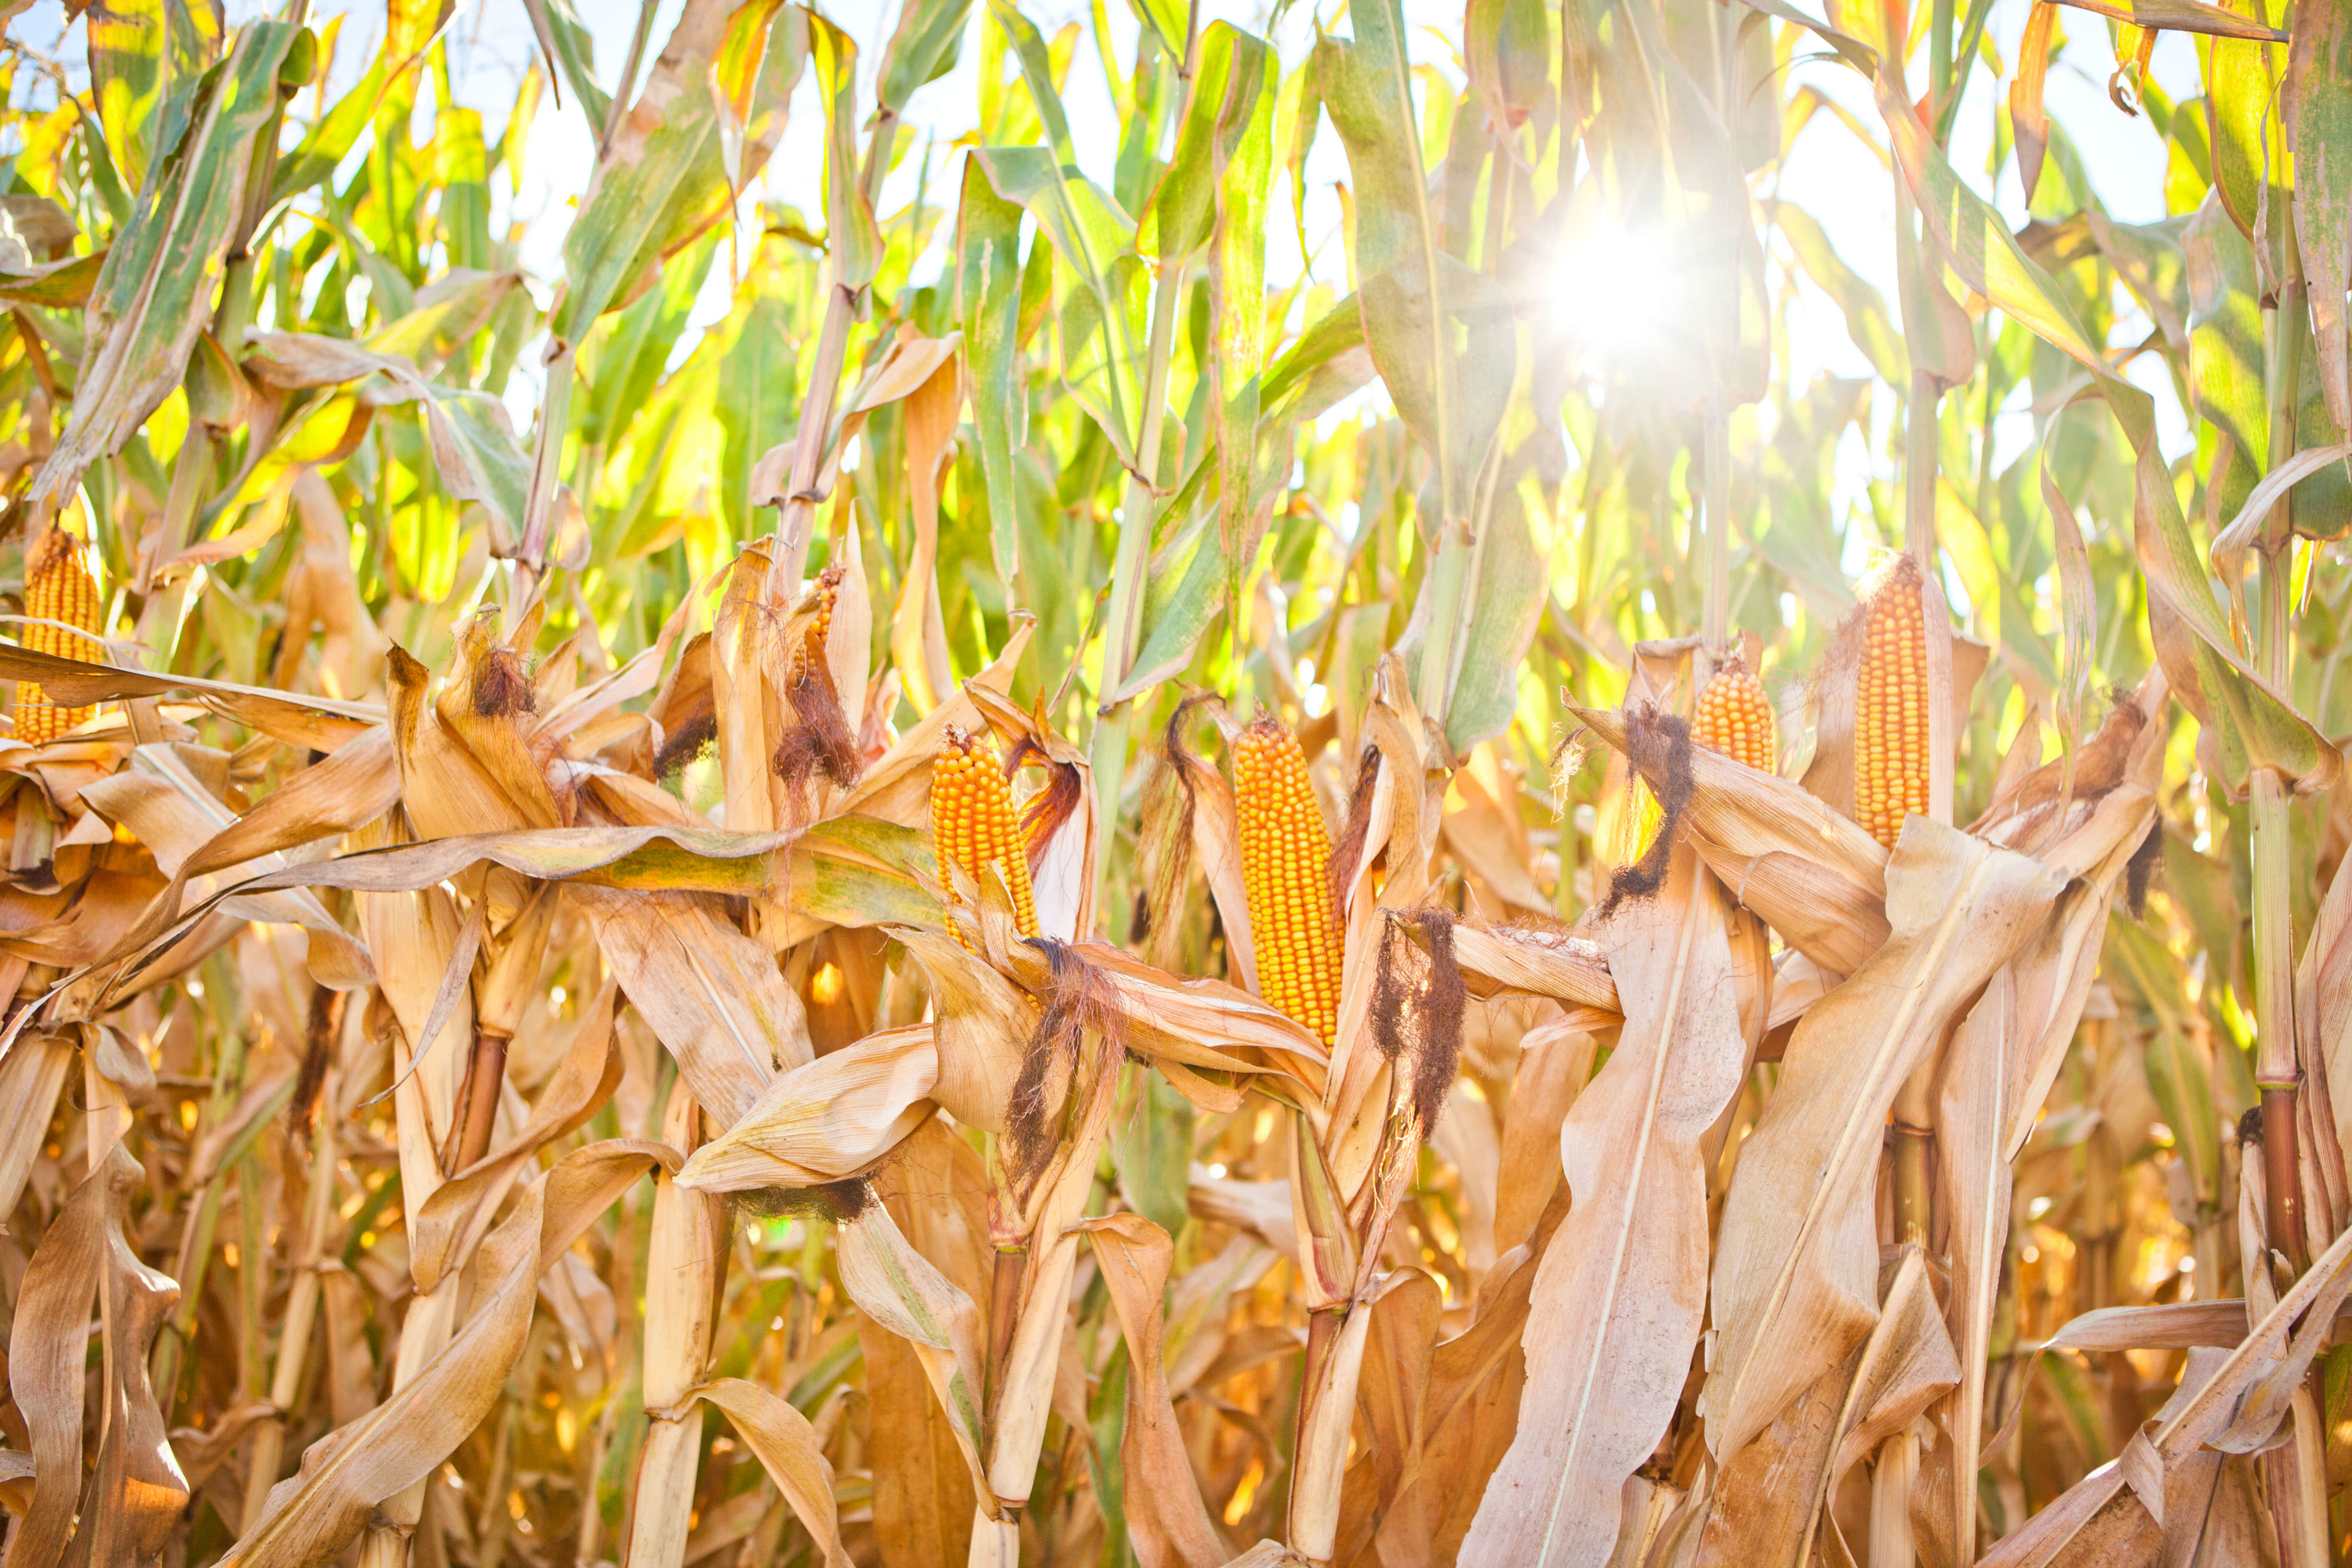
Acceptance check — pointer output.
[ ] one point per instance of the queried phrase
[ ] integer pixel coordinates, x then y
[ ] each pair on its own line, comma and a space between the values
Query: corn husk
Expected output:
1621, 1290
1795, 1274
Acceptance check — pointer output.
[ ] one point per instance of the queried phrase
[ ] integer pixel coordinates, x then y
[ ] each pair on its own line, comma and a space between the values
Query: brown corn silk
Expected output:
1285, 848
60, 593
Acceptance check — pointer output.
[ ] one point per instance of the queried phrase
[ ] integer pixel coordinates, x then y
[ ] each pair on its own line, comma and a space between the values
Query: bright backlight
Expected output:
1611, 288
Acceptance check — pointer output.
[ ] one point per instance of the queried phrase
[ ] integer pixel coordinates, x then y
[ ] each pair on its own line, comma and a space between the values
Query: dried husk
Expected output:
688, 1250
1816, 877
135, 1495
904, 1293
1621, 1293
1795, 1282
1165, 1520
826, 1120
984, 1023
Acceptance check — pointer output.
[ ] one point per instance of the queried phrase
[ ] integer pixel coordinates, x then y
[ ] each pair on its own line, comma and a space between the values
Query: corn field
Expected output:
1358, 784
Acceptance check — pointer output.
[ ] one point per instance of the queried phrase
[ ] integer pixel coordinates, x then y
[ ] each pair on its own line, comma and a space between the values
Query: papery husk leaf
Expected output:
445, 1225
711, 994
2275, 1354
1973, 1168
1815, 876
788, 1450
1392, 1399
1764, 1499
983, 1030
902, 1291
414, 938
82, 1256
1165, 1520
1197, 1023
314, 1514
685, 1254
1537, 961
446, 791
1907, 1364
923, 1505
2056, 969
320, 724
1622, 1291
827, 1119
1555, 1062
1795, 1284
1025, 1385
749, 663
31, 1073
160, 803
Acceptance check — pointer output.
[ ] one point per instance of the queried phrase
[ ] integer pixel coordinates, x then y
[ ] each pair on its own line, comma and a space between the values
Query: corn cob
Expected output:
1735, 718
57, 588
1890, 725
972, 823
1285, 846
826, 591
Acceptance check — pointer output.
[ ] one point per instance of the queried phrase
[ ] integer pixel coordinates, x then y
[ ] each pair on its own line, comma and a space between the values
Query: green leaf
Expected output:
139, 50
1102, 284
1230, 105
1864, 308
1237, 78
2248, 137
473, 445
2225, 334
2319, 122
1152, 1144
923, 49
988, 265
2253, 724
571, 51
1039, 75
1511, 581
1170, 19
331, 140
155, 292
755, 410
663, 182
1451, 385
852, 238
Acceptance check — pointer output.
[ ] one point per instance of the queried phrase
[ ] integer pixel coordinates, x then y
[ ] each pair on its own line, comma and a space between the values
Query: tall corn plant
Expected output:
1048, 895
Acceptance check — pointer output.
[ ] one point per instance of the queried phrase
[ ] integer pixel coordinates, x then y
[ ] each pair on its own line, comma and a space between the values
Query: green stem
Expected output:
1451, 575
1123, 633
1715, 603
2277, 1071
796, 518
1919, 472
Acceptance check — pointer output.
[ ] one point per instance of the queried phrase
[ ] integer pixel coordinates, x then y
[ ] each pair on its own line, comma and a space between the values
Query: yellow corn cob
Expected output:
57, 588
972, 823
1735, 718
1285, 846
1890, 698
825, 590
